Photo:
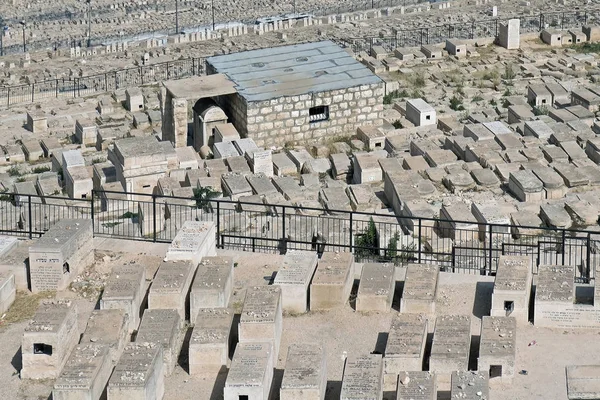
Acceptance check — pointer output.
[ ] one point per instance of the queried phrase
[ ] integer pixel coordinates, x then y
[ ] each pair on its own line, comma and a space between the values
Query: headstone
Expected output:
415, 385
332, 282
212, 285
470, 385
209, 343
498, 348
162, 327
450, 347
583, 382
251, 372
261, 161
139, 374
48, 340
305, 375
85, 374
512, 288
110, 328
363, 377
125, 290
405, 347
195, 240
376, 288
171, 286
262, 318
8, 291
294, 277
420, 289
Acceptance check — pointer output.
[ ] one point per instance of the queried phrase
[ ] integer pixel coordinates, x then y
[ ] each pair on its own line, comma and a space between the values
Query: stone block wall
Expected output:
286, 119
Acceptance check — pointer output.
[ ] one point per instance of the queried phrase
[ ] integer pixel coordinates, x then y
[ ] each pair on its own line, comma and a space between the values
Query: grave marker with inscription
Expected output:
332, 282
470, 385
418, 386
209, 344
195, 239
261, 161
139, 373
108, 327
171, 286
512, 288
125, 289
212, 286
162, 327
294, 277
420, 289
376, 288
305, 375
450, 347
363, 378
498, 347
251, 372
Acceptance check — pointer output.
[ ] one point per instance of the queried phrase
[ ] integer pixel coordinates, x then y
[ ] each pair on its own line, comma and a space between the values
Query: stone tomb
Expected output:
470, 385
85, 374
8, 291
48, 339
195, 239
417, 385
555, 305
376, 288
125, 290
363, 378
162, 327
305, 375
110, 328
262, 317
498, 347
450, 347
139, 374
171, 286
583, 382
294, 278
526, 186
209, 344
61, 254
420, 289
405, 347
512, 288
212, 285
332, 282
251, 372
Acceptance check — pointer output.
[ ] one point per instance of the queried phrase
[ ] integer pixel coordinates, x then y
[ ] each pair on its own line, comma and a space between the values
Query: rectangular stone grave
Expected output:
171, 286
251, 372
139, 374
470, 385
261, 162
194, 240
420, 289
125, 290
450, 347
110, 328
235, 185
305, 375
212, 286
85, 374
261, 184
376, 287
526, 186
405, 347
60, 254
416, 385
512, 288
583, 382
498, 347
48, 340
7, 243
209, 344
363, 377
262, 318
162, 327
294, 277
332, 282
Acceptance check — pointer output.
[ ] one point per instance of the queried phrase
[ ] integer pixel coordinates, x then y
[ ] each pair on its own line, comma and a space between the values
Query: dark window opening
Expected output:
458, 50
543, 101
428, 117
509, 307
495, 371
377, 144
243, 397
146, 186
83, 196
41, 348
66, 268
433, 56
320, 113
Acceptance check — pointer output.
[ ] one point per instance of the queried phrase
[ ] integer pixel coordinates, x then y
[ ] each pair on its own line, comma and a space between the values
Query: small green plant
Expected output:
460, 90
39, 170
14, 171
128, 215
397, 124
21, 179
367, 243
392, 247
110, 224
98, 160
203, 197
493, 103
491, 75
540, 110
4, 196
419, 80
505, 103
395, 94
456, 104
507, 92
477, 99
509, 73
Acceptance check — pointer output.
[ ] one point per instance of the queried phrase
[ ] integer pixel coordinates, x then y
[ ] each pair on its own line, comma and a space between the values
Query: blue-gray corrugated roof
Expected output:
292, 70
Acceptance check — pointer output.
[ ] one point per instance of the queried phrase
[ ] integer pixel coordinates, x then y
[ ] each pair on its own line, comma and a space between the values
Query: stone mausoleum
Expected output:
298, 93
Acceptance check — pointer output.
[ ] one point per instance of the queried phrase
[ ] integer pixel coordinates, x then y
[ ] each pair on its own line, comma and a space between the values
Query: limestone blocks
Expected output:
294, 278
8, 291
212, 286
162, 327
376, 288
498, 348
139, 374
171, 286
251, 372
420, 289
450, 347
110, 328
512, 288
305, 375
363, 377
125, 290
332, 282
209, 344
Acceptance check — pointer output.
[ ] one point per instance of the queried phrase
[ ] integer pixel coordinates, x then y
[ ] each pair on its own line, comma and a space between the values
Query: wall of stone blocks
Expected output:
286, 119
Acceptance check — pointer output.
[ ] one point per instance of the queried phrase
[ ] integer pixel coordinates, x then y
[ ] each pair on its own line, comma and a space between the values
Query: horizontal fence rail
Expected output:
458, 246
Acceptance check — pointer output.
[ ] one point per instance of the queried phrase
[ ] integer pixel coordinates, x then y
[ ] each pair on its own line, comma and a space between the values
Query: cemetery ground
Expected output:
543, 353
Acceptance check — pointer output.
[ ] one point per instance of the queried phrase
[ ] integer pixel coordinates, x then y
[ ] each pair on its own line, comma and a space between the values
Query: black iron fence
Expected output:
106, 82
469, 247
473, 30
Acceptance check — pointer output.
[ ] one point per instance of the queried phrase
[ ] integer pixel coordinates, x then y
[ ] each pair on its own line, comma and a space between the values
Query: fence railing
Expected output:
100, 83
473, 30
458, 246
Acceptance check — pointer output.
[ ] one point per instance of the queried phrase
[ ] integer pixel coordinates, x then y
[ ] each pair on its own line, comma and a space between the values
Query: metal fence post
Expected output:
589, 256
92, 211
419, 250
29, 216
153, 217
563, 247
490, 248
33, 92
283, 237
218, 224
351, 232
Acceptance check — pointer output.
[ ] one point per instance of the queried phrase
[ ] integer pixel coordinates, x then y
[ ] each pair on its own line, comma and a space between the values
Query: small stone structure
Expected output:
162, 327
8, 291
110, 328
470, 385
376, 287
332, 282
171, 286
415, 385
48, 339
212, 286
583, 382
498, 348
420, 113
420, 289
125, 290
194, 240
294, 278
450, 347
512, 288
509, 34
209, 344
363, 377
139, 374
61, 254
251, 372
305, 375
